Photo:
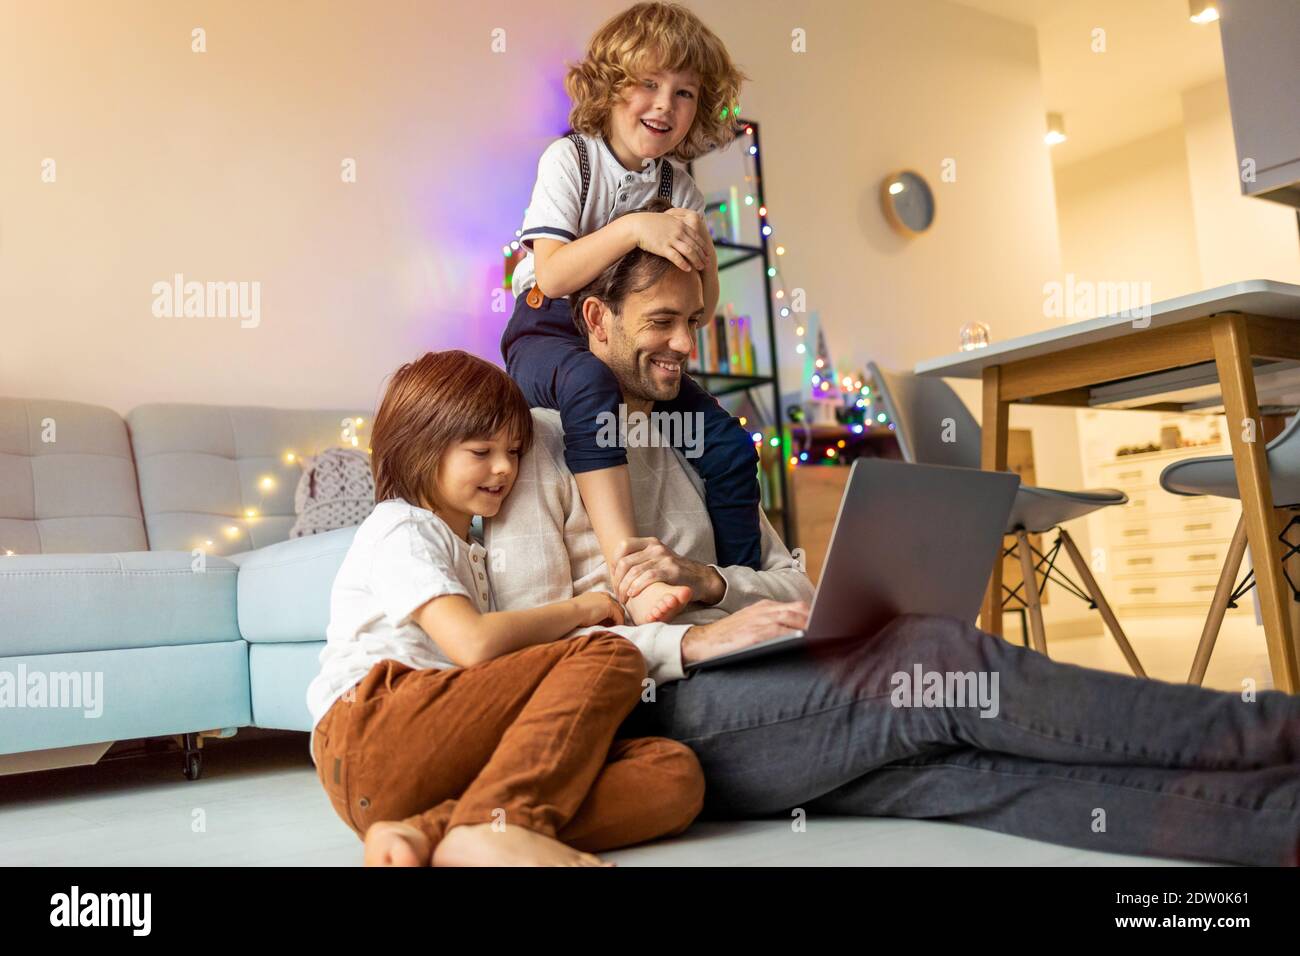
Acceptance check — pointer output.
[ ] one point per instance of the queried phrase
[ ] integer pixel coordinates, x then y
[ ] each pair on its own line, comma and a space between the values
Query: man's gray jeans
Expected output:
1074, 756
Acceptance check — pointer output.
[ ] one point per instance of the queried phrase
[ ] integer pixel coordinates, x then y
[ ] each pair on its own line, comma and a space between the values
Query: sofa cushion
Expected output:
64, 603
223, 477
278, 675
284, 589
137, 692
67, 481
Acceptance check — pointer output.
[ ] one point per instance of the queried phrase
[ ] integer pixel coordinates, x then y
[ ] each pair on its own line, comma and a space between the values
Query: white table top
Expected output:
1255, 297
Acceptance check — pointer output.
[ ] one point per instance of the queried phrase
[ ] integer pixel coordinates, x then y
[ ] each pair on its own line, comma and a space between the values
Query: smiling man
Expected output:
1060, 753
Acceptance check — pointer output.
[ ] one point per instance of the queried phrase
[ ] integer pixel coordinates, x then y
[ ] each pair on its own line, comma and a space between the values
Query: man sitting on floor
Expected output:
1070, 755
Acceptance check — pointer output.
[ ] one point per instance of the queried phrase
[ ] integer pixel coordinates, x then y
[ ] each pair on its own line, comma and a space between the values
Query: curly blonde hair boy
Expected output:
648, 38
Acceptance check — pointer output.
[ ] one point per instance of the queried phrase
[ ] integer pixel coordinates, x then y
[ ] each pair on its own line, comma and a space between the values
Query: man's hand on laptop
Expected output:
642, 561
750, 625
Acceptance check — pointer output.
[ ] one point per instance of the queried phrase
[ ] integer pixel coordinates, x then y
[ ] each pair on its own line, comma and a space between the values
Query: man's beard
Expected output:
635, 381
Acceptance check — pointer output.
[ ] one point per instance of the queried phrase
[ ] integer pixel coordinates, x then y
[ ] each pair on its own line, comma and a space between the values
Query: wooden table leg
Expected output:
1241, 406
993, 457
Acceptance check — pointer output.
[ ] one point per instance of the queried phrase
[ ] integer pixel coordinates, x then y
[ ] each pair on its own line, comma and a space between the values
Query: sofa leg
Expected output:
193, 756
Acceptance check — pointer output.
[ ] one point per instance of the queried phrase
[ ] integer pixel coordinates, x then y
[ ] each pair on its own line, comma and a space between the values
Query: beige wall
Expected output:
1126, 216
1168, 209
225, 166
1236, 237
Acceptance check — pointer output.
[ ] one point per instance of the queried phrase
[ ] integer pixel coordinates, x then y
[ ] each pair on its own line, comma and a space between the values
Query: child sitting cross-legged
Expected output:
447, 732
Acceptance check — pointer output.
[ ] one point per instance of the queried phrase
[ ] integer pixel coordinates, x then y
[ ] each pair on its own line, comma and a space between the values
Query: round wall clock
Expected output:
908, 202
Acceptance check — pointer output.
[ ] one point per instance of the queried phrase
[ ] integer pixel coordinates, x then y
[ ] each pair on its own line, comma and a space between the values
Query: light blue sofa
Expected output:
151, 558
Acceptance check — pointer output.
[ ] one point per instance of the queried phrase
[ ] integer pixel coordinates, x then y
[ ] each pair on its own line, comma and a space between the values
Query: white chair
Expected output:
1216, 475
934, 427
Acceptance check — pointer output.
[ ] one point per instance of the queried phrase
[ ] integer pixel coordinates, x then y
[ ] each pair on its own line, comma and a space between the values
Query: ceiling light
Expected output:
1203, 11
1055, 129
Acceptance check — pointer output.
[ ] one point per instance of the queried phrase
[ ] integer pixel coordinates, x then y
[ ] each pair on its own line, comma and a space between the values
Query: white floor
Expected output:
259, 802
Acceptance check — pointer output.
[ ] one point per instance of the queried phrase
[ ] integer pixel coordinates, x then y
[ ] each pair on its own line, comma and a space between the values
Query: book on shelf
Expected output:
725, 346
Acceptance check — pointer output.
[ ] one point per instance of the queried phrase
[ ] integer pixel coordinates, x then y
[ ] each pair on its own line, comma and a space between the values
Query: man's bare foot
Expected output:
480, 845
659, 602
390, 843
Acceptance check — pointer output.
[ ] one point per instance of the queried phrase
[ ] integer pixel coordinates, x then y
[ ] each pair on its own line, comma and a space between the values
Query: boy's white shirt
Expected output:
614, 190
402, 557
542, 548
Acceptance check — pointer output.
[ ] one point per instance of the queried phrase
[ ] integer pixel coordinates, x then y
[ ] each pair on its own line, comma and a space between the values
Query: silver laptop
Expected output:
908, 539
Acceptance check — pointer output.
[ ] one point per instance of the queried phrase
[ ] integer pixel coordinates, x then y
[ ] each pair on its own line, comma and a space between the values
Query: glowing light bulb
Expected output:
799, 330
231, 531
774, 441
780, 250
830, 452
250, 512
289, 458
743, 420
840, 443
820, 363
267, 483
800, 348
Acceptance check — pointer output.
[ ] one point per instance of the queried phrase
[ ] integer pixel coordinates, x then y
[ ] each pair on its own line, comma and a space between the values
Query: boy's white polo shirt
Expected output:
554, 212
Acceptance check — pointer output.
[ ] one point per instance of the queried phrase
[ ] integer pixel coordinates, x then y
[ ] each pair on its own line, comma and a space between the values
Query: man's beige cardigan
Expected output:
542, 548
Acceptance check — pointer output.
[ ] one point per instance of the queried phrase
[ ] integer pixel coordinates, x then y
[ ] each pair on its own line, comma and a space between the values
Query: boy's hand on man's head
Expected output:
674, 237
693, 219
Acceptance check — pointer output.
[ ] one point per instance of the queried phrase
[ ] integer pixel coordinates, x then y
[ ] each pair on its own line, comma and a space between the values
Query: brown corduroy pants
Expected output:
524, 739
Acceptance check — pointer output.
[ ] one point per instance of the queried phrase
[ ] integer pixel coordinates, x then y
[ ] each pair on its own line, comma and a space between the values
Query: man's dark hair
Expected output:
635, 272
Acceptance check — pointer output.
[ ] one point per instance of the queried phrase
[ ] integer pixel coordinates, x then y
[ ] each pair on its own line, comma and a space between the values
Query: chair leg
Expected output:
1219, 606
1103, 606
1038, 637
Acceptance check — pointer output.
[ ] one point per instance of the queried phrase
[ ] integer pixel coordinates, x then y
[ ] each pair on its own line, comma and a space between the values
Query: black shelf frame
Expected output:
730, 255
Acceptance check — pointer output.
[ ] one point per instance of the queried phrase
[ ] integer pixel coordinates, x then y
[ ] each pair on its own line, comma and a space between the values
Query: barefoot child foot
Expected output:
480, 845
659, 602
389, 843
